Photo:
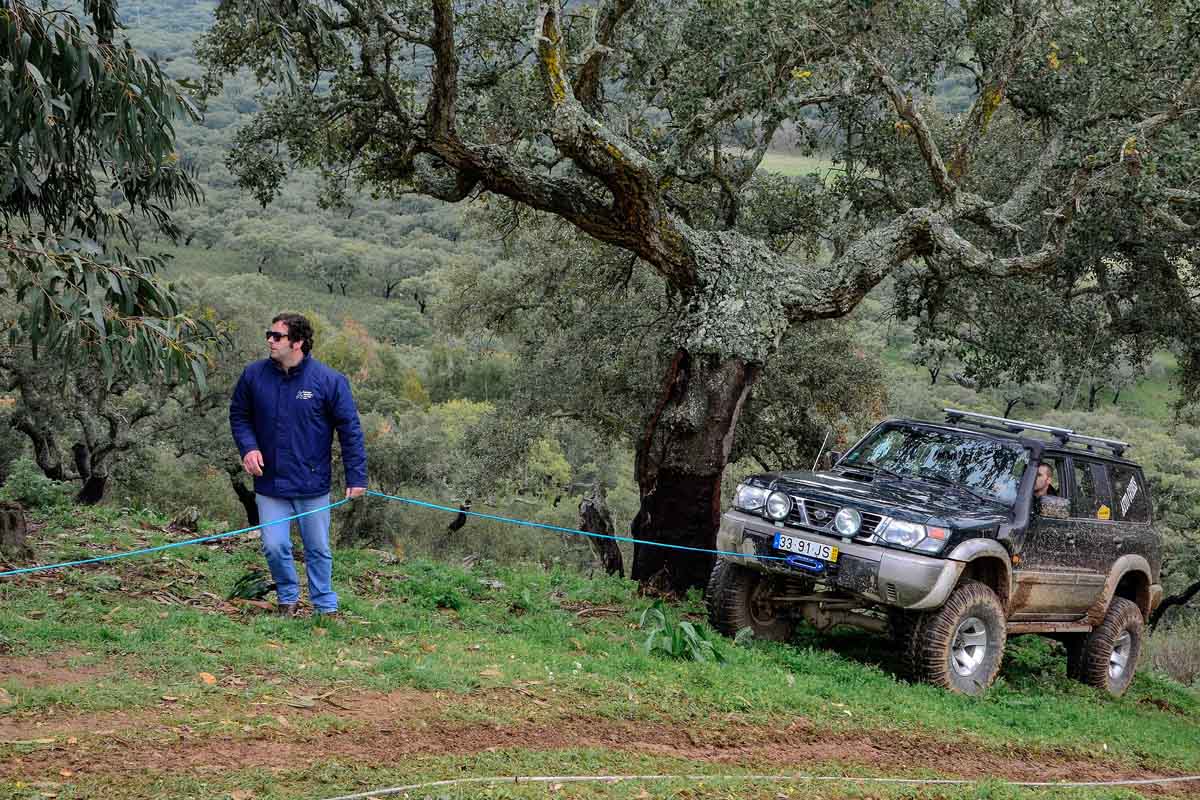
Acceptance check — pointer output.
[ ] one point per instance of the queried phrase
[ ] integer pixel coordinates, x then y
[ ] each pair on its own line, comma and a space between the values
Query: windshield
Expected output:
987, 468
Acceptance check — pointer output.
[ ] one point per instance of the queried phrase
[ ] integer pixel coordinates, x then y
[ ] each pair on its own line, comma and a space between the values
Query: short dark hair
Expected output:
299, 329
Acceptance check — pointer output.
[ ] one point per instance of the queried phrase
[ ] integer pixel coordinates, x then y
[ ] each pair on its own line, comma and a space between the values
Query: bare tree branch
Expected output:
587, 83
916, 121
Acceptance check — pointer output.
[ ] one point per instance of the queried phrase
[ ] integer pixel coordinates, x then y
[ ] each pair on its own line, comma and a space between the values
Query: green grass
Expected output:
432, 627
795, 165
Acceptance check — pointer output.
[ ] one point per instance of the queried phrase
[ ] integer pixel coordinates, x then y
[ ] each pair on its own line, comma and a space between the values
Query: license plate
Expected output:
794, 544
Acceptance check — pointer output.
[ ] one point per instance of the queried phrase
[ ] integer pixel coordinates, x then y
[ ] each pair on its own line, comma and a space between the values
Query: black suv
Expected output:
951, 537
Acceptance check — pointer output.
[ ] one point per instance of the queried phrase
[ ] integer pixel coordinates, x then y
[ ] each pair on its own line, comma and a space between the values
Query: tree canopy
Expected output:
644, 123
88, 139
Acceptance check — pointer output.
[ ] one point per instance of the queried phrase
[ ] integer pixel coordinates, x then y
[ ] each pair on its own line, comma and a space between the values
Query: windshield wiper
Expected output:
942, 479
880, 468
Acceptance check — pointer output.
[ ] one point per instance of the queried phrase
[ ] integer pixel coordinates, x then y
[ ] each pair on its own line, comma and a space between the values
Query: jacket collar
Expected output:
296, 370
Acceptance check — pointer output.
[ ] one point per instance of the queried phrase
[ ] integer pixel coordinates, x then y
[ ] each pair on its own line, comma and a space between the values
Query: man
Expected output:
283, 414
1042, 485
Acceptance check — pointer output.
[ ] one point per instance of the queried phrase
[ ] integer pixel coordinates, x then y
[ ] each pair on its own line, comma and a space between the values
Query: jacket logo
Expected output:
304, 394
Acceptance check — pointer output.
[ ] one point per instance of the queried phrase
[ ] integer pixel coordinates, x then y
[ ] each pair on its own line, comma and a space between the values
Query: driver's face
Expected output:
1043, 479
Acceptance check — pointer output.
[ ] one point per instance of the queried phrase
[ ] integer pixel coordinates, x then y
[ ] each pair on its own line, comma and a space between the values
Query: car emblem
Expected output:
821, 514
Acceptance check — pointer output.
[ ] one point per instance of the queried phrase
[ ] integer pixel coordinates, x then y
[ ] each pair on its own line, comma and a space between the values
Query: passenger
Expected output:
1042, 485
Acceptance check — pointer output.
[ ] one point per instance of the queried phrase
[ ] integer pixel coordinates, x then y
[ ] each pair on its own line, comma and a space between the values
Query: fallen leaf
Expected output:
283, 720
208, 678
241, 794
320, 631
72, 740
474, 647
66, 773
642, 795
169, 698
6, 699
556, 787
429, 648
490, 673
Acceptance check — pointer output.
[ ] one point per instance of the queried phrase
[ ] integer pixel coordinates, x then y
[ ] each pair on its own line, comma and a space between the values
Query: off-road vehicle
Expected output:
943, 536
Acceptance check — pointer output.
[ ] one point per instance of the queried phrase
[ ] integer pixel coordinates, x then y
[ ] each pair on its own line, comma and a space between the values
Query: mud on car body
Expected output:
932, 533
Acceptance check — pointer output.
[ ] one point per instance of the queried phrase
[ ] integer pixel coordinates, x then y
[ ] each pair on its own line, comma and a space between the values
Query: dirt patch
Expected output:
52, 669
382, 729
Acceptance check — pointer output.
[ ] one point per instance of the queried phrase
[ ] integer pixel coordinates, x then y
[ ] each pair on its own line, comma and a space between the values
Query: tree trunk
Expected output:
94, 475
1062, 395
933, 374
245, 496
594, 517
1093, 390
680, 460
1116, 396
13, 531
1011, 404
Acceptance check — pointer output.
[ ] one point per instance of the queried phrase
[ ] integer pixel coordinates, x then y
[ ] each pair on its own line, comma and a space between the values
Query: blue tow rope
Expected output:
408, 501
143, 551
573, 531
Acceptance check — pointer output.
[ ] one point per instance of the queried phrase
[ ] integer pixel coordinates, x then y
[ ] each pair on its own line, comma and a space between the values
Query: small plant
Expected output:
679, 640
28, 486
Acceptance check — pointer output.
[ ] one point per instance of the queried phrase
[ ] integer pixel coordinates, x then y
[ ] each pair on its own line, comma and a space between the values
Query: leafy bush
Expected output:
28, 486
677, 639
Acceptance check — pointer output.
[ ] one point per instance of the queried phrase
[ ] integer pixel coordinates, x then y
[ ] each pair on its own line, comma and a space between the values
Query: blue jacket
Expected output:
291, 417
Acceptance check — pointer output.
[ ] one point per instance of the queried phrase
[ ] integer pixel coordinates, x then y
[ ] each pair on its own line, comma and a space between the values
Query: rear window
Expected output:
1091, 497
1130, 495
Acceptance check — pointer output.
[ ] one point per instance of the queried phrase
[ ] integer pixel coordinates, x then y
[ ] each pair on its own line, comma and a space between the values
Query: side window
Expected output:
1091, 498
1132, 500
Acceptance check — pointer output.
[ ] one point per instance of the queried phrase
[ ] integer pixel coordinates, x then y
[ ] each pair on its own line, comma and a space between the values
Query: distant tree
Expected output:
86, 129
643, 124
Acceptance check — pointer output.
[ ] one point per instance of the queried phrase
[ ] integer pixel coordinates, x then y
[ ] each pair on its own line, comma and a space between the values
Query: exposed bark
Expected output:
13, 530
594, 517
1010, 404
680, 460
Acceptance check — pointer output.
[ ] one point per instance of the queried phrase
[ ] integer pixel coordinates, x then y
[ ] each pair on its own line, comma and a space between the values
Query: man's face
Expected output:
282, 348
1043, 479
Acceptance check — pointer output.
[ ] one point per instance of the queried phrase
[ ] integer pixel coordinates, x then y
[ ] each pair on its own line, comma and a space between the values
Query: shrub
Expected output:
28, 486
1175, 651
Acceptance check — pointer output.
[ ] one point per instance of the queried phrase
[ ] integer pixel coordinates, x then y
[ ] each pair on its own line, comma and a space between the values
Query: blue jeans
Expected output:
277, 547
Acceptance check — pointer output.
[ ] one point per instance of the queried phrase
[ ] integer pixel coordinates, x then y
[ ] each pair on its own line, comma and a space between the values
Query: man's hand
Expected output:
252, 462
354, 491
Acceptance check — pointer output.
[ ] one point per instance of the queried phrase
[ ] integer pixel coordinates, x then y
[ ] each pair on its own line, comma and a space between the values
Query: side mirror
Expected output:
1053, 507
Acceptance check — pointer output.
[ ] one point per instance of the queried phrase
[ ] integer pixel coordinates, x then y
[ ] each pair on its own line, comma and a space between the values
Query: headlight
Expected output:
749, 498
905, 534
778, 505
917, 537
847, 522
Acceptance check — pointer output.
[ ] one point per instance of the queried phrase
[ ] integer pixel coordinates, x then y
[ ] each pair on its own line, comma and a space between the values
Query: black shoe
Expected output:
286, 609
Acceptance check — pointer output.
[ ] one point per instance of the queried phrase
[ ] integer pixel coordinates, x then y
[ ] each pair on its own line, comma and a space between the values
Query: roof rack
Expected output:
1065, 436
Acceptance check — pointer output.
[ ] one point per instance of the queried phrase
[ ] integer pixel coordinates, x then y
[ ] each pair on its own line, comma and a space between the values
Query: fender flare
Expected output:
975, 549
1126, 564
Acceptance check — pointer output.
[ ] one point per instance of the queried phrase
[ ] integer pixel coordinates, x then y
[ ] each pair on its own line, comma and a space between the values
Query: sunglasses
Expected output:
275, 336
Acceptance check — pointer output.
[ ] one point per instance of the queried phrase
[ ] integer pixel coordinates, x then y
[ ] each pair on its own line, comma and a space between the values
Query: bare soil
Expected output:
382, 729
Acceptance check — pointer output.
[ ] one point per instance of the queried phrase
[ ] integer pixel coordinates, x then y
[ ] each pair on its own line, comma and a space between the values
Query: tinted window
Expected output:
1091, 498
1132, 500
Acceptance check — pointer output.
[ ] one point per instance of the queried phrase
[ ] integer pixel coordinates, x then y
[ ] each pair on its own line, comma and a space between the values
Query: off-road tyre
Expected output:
959, 646
739, 597
1109, 654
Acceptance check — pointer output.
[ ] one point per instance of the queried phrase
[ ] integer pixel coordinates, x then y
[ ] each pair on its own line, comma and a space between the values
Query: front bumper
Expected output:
880, 574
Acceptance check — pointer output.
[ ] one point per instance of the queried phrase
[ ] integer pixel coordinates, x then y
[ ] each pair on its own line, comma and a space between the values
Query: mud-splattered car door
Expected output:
1058, 575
